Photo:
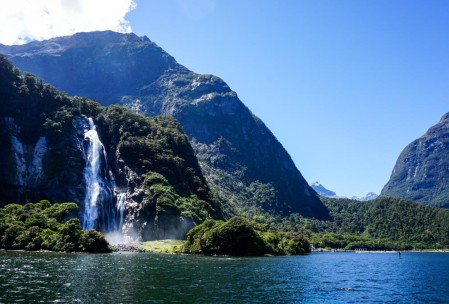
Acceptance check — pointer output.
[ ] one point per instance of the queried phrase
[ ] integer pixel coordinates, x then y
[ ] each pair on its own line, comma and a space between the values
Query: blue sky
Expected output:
344, 85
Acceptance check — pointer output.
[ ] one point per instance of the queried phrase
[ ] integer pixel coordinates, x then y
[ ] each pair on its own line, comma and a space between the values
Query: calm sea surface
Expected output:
157, 278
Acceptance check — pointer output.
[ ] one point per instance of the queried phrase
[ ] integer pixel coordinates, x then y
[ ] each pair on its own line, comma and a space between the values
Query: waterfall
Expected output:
105, 203
121, 200
35, 170
19, 157
98, 213
120, 204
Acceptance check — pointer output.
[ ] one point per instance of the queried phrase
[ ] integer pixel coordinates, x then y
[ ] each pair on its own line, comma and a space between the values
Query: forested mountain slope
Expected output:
239, 155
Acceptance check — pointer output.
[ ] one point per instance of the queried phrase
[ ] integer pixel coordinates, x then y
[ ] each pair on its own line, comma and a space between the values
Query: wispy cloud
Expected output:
24, 20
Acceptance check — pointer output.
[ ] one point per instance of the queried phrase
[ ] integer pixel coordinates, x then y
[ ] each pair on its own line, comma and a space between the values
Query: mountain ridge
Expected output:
240, 156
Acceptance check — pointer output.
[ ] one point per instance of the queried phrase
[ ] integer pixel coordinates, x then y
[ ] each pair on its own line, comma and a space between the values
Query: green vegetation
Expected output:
253, 199
163, 246
346, 241
240, 237
160, 154
403, 222
155, 144
42, 226
380, 224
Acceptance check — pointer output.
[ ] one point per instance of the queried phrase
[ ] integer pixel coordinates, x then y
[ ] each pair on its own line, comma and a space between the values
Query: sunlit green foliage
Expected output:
351, 242
383, 223
393, 219
42, 226
240, 237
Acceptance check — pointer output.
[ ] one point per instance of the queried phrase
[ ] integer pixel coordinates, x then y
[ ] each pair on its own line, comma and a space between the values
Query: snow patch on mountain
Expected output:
321, 190
370, 196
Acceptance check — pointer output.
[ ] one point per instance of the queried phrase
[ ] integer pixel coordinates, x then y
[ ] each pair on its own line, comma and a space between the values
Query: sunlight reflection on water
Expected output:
140, 277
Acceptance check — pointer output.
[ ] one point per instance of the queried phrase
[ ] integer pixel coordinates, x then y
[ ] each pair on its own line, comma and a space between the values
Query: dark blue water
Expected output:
157, 278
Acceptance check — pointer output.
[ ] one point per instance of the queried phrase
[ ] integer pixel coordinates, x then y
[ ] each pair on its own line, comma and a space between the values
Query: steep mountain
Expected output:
321, 190
239, 155
126, 172
368, 197
421, 171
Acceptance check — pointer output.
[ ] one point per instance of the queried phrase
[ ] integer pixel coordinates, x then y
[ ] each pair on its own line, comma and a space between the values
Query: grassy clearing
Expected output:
162, 246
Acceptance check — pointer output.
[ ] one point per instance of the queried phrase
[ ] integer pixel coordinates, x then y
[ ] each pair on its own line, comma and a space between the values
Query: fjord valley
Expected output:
163, 151
200, 168
146, 179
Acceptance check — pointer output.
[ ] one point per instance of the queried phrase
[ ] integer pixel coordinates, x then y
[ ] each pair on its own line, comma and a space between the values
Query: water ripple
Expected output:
151, 278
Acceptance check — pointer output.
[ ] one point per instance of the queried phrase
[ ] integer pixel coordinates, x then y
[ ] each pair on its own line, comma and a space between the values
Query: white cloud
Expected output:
24, 20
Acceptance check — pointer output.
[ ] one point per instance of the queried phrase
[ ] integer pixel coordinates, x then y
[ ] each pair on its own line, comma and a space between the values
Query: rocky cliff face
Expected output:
421, 171
127, 173
237, 152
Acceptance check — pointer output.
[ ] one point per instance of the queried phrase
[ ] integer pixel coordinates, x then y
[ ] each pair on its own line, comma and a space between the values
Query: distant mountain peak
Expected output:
370, 196
321, 190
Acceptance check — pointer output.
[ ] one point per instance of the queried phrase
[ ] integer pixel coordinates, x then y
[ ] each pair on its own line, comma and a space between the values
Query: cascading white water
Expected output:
121, 200
19, 157
98, 193
35, 170
104, 205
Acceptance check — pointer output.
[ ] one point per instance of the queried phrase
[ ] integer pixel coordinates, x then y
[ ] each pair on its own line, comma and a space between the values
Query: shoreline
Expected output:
381, 251
169, 246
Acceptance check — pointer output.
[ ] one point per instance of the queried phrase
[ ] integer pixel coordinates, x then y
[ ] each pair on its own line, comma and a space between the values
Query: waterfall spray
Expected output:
121, 200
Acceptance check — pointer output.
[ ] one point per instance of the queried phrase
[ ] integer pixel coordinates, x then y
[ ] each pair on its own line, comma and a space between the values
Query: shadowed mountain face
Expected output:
237, 152
421, 172
104, 66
